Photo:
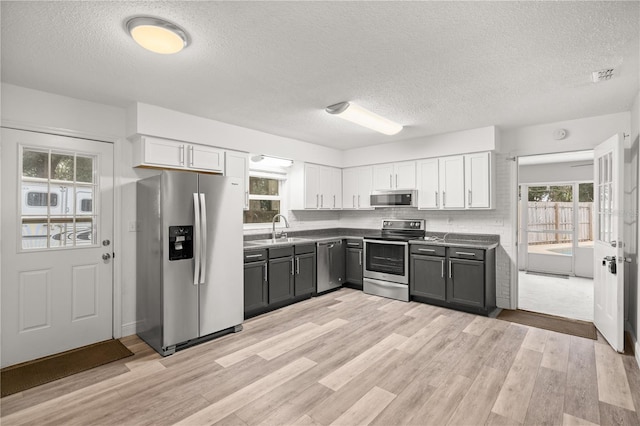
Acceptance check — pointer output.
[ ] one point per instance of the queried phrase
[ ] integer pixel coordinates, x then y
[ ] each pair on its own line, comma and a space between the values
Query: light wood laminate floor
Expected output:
347, 358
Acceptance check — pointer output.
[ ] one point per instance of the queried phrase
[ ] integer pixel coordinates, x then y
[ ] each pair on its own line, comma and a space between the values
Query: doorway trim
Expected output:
117, 202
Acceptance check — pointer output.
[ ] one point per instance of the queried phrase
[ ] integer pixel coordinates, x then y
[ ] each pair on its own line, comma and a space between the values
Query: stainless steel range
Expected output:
386, 268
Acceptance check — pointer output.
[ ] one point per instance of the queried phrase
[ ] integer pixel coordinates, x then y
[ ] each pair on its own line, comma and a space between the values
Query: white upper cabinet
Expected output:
395, 175
457, 182
357, 183
236, 164
312, 186
170, 154
478, 180
428, 184
452, 182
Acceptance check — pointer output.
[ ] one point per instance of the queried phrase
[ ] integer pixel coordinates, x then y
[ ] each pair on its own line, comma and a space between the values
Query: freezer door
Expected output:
179, 295
221, 289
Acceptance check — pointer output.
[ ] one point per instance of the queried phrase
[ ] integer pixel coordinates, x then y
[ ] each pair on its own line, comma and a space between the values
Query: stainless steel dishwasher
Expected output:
331, 265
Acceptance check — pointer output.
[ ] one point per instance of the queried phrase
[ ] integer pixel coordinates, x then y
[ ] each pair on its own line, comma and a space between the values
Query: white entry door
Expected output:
57, 232
608, 244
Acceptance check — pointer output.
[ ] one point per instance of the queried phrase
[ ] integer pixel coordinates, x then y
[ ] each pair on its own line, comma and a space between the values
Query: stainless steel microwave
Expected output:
394, 198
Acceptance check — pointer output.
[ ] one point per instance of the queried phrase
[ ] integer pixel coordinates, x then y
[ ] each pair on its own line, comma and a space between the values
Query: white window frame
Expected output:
281, 178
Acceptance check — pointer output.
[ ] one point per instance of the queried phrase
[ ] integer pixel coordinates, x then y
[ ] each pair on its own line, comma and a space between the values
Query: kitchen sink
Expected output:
270, 241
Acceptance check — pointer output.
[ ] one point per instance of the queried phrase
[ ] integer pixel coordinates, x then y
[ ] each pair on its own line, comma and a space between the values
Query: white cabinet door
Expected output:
162, 152
404, 175
236, 164
203, 157
428, 184
335, 194
383, 176
350, 188
311, 186
478, 180
365, 186
452, 182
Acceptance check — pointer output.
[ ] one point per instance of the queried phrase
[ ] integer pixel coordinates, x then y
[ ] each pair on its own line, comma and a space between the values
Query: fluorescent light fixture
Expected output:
356, 114
559, 157
268, 161
157, 35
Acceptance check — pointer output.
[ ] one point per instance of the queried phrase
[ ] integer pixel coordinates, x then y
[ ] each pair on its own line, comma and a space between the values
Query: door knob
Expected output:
106, 256
106, 242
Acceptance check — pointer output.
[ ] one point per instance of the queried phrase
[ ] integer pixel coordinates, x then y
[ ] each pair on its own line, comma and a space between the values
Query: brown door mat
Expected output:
26, 375
550, 322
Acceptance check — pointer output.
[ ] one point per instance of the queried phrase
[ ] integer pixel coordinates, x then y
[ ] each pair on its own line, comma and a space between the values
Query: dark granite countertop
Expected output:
479, 241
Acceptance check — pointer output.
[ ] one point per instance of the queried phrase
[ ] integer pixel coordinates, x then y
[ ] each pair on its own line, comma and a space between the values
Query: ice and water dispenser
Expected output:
180, 242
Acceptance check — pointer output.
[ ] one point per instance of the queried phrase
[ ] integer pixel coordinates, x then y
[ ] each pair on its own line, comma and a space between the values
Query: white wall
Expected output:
582, 134
151, 120
465, 141
632, 192
556, 172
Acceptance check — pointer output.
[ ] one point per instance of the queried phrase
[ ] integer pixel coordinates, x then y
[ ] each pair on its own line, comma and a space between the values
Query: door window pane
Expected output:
57, 199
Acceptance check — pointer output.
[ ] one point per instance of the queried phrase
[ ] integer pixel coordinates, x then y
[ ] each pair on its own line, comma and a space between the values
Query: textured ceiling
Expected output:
434, 67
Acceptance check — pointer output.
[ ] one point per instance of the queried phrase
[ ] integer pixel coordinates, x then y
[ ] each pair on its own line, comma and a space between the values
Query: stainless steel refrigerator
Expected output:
189, 259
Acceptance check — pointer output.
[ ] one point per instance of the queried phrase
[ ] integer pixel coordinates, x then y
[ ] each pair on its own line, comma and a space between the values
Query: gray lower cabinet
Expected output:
305, 270
353, 276
460, 278
429, 277
280, 279
256, 285
278, 276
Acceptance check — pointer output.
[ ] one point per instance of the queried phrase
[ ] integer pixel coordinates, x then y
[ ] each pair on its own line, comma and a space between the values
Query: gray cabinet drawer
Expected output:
277, 252
254, 255
466, 253
428, 250
353, 243
305, 248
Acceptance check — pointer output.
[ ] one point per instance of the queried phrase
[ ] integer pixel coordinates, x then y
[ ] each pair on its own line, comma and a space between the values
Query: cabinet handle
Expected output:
182, 155
353, 244
429, 250
321, 200
358, 201
191, 156
450, 271
469, 198
334, 201
442, 269
266, 271
466, 253
354, 202
390, 181
396, 180
251, 256
437, 200
317, 200
444, 199
360, 257
297, 265
292, 266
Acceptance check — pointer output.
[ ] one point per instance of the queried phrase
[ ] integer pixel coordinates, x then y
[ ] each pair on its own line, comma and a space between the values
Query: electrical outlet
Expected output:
133, 226
449, 220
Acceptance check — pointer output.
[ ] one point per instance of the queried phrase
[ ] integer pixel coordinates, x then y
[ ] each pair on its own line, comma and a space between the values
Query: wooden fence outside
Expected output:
544, 215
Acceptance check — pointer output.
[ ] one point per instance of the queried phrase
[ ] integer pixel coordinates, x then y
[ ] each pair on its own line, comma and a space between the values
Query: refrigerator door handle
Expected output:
197, 235
203, 233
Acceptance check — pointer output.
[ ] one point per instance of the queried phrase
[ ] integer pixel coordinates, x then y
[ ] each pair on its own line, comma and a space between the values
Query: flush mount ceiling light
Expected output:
157, 35
356, 114
267, 161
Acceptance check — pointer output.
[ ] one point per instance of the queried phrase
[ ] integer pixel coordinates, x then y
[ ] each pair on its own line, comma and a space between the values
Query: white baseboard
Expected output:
129, 328
634, 340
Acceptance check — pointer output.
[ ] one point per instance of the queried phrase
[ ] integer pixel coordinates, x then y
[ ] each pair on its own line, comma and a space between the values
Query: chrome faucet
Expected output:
273, 223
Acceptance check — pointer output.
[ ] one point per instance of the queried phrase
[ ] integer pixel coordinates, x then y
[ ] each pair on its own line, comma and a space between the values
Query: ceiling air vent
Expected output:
602, 75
